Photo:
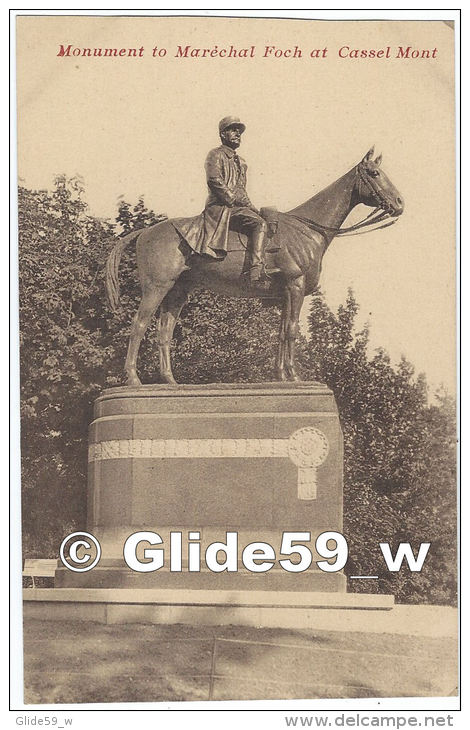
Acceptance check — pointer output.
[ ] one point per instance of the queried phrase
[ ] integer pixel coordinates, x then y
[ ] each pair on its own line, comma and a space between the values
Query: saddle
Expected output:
194, 233
239, 241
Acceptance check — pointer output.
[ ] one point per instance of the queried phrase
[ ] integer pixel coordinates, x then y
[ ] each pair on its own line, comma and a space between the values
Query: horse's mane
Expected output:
315, 205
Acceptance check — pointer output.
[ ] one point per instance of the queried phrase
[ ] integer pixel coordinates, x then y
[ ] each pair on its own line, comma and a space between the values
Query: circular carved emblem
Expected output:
308, 447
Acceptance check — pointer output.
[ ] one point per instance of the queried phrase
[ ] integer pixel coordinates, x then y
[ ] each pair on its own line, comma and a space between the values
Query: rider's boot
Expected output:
257, 274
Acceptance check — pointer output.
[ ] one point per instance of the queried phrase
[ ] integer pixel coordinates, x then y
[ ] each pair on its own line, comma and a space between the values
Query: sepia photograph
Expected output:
236, 242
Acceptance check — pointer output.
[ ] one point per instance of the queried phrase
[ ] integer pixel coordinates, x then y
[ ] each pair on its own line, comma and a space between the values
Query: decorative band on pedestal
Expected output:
307, 448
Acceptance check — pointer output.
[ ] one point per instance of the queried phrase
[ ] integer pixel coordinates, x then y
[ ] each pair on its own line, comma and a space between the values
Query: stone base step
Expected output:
199, 607
107, 575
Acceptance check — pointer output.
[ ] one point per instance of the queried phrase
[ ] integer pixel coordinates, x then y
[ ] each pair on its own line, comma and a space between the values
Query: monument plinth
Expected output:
258, 460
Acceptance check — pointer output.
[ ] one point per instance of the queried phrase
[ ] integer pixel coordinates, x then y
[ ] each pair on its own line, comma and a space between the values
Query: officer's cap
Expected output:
230, 122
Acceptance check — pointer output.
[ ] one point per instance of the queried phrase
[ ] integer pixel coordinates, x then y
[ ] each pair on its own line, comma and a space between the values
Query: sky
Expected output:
132, 126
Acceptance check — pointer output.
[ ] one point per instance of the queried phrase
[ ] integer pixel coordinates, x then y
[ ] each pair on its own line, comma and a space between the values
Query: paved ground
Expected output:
73, 662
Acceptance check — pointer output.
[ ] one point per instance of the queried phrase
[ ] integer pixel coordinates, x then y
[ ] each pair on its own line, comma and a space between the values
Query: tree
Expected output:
399, 457
60, 351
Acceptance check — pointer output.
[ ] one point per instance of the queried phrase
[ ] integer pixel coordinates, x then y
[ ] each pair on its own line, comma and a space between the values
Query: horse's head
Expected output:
375, 189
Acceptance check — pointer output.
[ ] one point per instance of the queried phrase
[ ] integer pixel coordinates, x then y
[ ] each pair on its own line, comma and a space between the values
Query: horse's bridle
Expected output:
381, 213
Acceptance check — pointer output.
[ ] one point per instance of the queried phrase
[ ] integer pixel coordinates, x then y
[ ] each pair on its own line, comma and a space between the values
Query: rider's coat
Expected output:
226, 180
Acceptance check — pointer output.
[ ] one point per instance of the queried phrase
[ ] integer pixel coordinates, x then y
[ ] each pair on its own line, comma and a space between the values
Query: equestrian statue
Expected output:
234, 249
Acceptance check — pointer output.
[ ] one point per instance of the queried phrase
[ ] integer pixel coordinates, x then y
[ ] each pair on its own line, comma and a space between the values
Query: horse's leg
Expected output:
296, 288
170, 309
160, 260
281, 352
151, 298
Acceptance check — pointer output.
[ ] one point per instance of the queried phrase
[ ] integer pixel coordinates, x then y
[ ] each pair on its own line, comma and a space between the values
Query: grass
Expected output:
75, 662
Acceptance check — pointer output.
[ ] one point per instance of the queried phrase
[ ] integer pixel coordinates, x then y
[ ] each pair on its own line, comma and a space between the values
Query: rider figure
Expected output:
226, 180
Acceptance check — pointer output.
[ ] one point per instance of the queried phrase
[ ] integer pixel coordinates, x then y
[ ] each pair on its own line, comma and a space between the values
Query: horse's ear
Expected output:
378, 160
369, 155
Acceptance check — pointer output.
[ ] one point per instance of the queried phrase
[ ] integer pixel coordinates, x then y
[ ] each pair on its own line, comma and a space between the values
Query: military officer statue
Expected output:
226, 180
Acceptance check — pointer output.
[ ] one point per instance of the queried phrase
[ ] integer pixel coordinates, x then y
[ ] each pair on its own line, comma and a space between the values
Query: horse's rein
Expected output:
368, 222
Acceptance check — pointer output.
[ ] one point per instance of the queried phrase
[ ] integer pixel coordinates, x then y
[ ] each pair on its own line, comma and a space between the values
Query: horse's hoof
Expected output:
169, 380
133, 381
293, 378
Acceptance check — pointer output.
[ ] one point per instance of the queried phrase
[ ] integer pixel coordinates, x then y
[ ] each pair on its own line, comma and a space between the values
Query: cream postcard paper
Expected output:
116, 117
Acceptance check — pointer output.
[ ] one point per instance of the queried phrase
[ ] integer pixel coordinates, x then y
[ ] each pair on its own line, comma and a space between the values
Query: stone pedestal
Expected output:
255, 459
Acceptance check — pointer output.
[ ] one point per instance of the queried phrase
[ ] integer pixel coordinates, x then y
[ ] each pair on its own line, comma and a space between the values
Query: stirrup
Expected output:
265, 273
259, 269
262, 282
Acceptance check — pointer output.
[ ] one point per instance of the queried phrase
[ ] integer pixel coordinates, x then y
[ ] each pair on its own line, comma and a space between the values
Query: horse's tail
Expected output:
112, 269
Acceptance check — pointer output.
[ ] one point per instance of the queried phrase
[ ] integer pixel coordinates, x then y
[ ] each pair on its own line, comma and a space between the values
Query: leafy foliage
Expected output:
399, 451
399, 458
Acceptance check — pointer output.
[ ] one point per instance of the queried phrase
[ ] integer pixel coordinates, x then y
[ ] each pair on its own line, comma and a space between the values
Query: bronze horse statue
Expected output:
169, 270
